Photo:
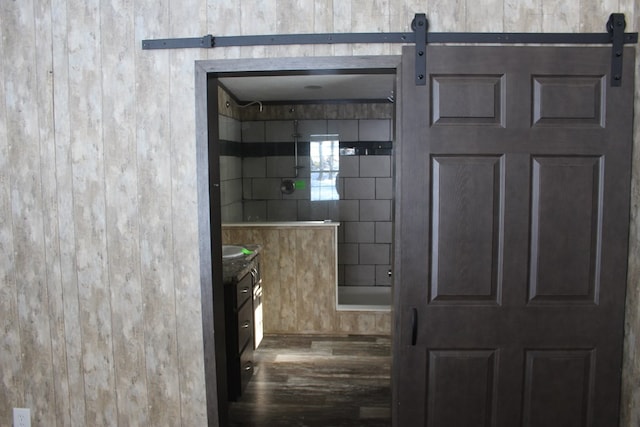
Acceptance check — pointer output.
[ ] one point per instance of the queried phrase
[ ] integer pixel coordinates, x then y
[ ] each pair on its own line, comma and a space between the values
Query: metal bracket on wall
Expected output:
615, 36
615, 27
420, 26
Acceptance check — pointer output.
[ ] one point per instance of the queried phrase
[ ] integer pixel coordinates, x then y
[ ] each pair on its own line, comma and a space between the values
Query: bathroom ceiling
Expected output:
315, 87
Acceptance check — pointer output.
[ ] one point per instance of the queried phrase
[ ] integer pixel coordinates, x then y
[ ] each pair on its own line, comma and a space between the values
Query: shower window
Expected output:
325, 165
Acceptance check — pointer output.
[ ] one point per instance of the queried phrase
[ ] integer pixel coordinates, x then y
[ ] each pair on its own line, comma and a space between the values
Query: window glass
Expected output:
325, 165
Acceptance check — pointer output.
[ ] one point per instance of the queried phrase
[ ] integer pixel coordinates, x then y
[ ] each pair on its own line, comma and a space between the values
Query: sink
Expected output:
232, 251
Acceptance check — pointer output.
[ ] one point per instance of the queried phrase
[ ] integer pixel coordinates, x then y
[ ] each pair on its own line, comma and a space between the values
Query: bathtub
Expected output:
363, 298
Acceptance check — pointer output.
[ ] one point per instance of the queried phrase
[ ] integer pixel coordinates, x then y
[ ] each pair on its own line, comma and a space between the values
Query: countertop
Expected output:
236, 268
326, 223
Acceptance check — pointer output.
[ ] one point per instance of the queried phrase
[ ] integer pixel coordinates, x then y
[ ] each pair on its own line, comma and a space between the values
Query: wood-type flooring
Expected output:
318, 381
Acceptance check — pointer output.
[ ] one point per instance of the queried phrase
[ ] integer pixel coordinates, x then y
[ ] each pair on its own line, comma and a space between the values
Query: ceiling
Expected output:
309, 88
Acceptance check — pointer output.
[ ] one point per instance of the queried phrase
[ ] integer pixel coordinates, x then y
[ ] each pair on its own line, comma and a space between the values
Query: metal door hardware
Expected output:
420, 26
615, 27
414, 326
420, 36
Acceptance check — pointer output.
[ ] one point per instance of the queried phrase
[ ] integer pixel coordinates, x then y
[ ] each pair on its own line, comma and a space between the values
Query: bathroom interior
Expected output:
314, 151
306, 176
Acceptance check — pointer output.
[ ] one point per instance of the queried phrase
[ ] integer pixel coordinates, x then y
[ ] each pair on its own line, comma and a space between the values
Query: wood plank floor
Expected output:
318, 381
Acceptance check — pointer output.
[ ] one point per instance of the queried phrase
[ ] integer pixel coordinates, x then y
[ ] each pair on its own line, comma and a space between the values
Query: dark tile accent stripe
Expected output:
266, 149
230, 148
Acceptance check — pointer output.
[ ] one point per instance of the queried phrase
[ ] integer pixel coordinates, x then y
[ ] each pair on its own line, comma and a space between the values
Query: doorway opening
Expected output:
315, 147
265, 137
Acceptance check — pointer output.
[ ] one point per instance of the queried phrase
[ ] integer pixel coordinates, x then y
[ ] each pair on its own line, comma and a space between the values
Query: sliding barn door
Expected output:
513, 180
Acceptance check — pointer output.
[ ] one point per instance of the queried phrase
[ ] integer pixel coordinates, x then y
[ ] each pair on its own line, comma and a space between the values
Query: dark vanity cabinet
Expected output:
240, 327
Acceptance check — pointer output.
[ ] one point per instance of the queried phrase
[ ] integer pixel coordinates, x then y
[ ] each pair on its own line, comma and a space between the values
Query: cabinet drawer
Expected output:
243, 289
245, 326
246, 367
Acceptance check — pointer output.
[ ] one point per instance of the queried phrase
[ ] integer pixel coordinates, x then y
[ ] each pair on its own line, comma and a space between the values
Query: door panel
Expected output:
569, 402
568, 101
466, 223
566, 220
513, 175
467, 99
464, 378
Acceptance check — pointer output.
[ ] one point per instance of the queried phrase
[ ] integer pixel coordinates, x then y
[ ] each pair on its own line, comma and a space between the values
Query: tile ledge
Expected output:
282, 224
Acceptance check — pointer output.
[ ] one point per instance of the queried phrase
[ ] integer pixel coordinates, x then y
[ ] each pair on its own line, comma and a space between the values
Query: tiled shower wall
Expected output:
230, 169
252, 172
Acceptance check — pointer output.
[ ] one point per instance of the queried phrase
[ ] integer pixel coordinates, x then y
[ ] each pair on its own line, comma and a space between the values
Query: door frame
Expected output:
208, 186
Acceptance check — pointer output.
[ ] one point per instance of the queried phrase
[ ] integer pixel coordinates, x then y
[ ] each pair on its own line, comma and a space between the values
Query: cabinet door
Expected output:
239, 335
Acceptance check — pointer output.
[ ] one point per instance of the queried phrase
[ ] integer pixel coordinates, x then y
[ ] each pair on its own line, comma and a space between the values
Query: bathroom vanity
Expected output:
243, 316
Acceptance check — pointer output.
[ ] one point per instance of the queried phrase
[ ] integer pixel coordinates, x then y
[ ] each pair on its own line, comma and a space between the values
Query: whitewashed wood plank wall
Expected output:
99, 273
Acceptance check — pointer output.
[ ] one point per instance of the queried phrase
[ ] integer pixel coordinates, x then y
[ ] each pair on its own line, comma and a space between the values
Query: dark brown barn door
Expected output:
513, 175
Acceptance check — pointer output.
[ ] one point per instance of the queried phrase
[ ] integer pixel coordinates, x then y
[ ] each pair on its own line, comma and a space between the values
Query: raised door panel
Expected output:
461, 388
466, 229
558, 388
569, 101
566, 223
468, 100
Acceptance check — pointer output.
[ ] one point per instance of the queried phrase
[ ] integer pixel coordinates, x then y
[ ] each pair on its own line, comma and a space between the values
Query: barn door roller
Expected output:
615, 27
420, 25
420, 36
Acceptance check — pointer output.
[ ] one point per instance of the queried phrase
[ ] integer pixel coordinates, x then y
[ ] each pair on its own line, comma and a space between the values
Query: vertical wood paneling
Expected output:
402, 12
122, 226
153, 116
315, 298
370, 16
60, 406
383, 323
303, 11
485, 16
257, 17
299, 291
594, 15
85, 97
26, 208
446, 15
342, 24
523, 15
99, 288
223, 19
66, 221
560, 16
356, 322
285, 304
323, 23
628, 7
11, 382
187, 17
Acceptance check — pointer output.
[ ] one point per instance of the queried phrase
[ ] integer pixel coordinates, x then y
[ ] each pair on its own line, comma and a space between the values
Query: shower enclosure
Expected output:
317, 162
